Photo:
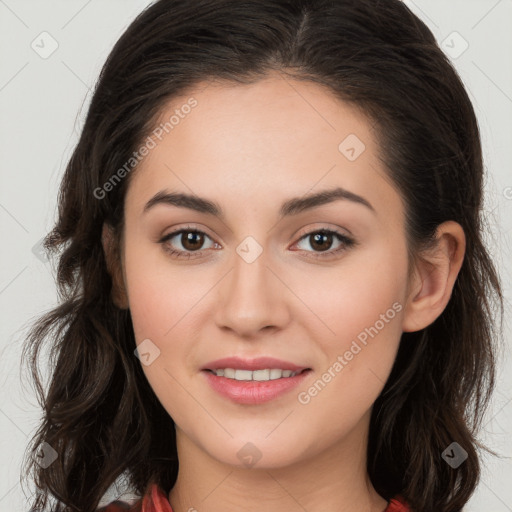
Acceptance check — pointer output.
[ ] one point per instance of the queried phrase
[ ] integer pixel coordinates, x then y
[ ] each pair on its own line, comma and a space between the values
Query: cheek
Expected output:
167, 306
352, 297
161, 296
361, 305
148, 306
163, 302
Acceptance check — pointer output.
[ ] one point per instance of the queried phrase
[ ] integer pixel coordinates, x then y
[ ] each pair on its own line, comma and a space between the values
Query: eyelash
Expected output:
346, 243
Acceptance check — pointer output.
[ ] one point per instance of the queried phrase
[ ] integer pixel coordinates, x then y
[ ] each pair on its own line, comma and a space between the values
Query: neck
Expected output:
335, 479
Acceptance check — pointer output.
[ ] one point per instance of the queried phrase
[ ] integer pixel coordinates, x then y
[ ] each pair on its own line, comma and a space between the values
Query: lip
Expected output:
259, 363
253, 392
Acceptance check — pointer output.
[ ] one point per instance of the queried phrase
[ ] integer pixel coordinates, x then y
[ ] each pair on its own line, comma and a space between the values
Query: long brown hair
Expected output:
99, 413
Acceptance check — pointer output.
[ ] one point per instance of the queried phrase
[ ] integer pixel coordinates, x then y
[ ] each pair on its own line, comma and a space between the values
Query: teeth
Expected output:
258, 375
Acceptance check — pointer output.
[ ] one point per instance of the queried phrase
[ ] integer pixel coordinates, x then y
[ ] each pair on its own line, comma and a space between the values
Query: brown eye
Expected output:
321, 241
189, 243
185, 243
192, 240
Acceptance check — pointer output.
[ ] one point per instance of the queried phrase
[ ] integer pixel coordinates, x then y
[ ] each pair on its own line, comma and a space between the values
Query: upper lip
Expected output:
259, 363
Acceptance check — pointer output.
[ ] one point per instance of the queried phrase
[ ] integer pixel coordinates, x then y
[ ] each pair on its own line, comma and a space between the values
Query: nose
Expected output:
251, 298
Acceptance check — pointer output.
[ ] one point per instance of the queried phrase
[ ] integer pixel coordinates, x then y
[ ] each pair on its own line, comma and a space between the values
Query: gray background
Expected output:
43, 100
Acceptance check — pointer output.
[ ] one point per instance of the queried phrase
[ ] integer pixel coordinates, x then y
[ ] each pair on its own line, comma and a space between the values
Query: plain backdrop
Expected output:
51, 53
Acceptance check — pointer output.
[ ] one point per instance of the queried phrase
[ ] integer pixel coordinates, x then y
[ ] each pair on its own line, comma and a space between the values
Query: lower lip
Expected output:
253, 392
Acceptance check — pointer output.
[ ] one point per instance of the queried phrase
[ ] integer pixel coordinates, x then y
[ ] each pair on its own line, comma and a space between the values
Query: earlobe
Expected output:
435, 274
114, 267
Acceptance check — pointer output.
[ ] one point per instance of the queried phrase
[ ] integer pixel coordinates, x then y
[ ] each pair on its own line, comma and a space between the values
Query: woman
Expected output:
272, 268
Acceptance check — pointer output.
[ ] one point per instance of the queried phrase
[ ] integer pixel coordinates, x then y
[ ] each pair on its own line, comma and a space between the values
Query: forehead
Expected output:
272, 113
274, 138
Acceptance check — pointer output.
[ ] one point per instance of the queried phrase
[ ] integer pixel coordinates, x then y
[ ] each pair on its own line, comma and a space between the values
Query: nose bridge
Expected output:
251, 297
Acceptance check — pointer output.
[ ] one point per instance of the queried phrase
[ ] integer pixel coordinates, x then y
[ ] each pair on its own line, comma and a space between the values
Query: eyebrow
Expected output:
290, 207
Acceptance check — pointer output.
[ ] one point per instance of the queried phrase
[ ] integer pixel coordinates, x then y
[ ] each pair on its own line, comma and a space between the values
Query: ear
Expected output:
114, 267
434, 277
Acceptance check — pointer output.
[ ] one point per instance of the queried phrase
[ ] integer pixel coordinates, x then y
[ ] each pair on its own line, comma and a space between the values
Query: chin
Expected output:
249, 452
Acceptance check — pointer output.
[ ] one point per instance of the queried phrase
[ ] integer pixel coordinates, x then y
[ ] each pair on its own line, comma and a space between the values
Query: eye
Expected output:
322, 241
191, 241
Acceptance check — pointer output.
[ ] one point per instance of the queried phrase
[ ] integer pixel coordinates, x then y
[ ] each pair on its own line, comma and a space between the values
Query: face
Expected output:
319, 284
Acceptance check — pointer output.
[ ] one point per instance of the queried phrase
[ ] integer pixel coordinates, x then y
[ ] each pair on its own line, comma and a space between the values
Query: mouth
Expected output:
253, 381
261, 375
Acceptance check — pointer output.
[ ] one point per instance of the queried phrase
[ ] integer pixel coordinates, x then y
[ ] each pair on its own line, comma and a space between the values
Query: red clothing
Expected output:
156, 501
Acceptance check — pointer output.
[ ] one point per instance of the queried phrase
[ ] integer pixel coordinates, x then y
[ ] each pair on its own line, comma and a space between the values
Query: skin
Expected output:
250, 148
